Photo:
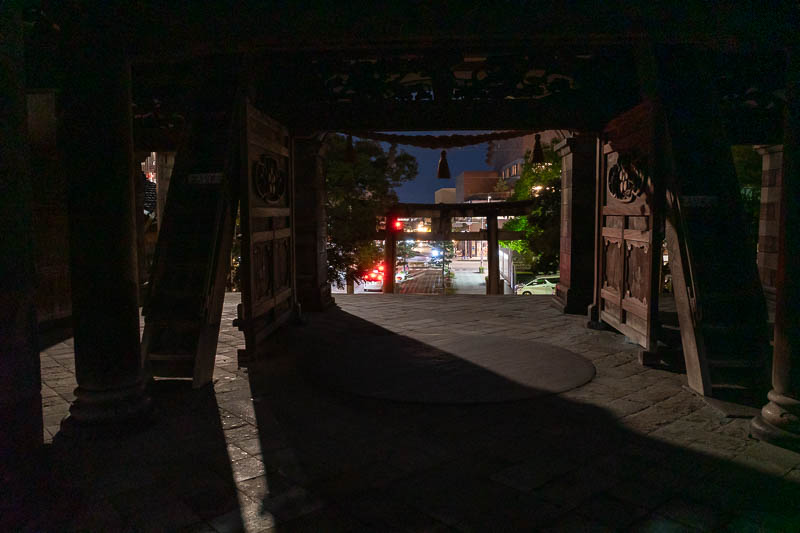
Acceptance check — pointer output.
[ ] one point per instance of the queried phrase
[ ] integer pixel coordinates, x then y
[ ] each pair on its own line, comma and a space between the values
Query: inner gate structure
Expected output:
653, 100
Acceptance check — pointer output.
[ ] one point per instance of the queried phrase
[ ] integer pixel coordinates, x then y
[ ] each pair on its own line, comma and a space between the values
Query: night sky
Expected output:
460, 159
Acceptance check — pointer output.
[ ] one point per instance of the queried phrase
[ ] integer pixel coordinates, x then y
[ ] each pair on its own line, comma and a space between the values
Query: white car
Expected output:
373, 285
540, 285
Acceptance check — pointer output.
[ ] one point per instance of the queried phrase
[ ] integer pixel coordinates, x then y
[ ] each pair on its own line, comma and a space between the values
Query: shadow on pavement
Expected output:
338, 462
170, 474
289, 453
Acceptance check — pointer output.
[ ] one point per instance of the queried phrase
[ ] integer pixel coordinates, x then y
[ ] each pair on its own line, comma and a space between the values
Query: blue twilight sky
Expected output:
421, 189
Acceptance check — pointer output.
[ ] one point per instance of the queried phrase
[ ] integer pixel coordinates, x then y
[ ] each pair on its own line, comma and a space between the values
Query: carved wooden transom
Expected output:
624, 182
269, 181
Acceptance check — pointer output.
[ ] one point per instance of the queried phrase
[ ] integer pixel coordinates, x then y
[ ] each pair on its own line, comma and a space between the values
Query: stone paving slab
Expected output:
269, 450
436, 366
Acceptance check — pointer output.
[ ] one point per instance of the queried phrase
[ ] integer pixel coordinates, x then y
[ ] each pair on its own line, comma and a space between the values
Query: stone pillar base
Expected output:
593, 314
315, 300
571, 302
779, 422
762, 430
111, 406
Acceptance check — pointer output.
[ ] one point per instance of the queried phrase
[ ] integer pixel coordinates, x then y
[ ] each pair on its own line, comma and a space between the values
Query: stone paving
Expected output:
267, 449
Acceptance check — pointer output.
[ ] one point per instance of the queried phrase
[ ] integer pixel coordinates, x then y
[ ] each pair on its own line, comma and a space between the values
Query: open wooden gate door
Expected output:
630, 251
187, 284
267, 270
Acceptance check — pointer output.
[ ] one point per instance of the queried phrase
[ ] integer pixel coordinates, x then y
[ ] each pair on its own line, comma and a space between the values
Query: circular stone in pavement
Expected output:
446, 368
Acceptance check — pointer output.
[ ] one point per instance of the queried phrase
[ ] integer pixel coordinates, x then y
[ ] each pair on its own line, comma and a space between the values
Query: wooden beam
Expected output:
186, 29
573, 110
462, 210
502, 235
157, 139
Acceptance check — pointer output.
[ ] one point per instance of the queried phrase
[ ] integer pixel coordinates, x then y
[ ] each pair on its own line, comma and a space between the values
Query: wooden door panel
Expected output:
637, 268
627, 218
266, 189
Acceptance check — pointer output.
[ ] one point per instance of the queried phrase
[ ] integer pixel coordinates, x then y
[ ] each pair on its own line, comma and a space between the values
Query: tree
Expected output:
502, 186
360, 181
542, 227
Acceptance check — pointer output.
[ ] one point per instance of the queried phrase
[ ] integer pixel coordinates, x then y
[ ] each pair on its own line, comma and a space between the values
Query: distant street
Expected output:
422, 281
467, 280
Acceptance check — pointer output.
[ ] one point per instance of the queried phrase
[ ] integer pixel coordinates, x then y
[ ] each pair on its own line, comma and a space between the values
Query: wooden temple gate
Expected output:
402, 73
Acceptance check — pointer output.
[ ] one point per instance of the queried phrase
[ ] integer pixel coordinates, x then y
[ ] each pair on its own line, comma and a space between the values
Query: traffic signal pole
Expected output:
390, 257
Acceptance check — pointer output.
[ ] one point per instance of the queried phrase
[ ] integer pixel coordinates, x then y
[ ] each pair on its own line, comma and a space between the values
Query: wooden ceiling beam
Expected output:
552, 112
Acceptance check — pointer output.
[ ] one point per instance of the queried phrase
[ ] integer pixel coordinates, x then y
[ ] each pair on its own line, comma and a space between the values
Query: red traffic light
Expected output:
398, 224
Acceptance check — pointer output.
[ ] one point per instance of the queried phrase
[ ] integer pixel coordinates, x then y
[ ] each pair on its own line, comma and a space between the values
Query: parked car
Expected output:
540, 285
373, 281
373, 285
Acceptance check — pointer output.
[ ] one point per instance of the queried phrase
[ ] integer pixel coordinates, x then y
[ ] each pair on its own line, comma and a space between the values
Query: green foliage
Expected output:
359, 190
747, 163
502, 186
544, 175
542, 183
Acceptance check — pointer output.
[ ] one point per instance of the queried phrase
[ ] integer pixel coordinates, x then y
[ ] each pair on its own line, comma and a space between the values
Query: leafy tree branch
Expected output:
360, 188
540, 182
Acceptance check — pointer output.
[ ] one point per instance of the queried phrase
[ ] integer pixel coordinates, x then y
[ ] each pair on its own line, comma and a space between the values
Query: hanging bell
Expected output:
443, 172
538, 154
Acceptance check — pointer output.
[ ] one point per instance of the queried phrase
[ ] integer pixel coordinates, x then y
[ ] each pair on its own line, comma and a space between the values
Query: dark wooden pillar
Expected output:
50, 218
493, 285
576, 260
779, 421
389, 257
98, 140
771, 180
593, 313
313, 289
20, 380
